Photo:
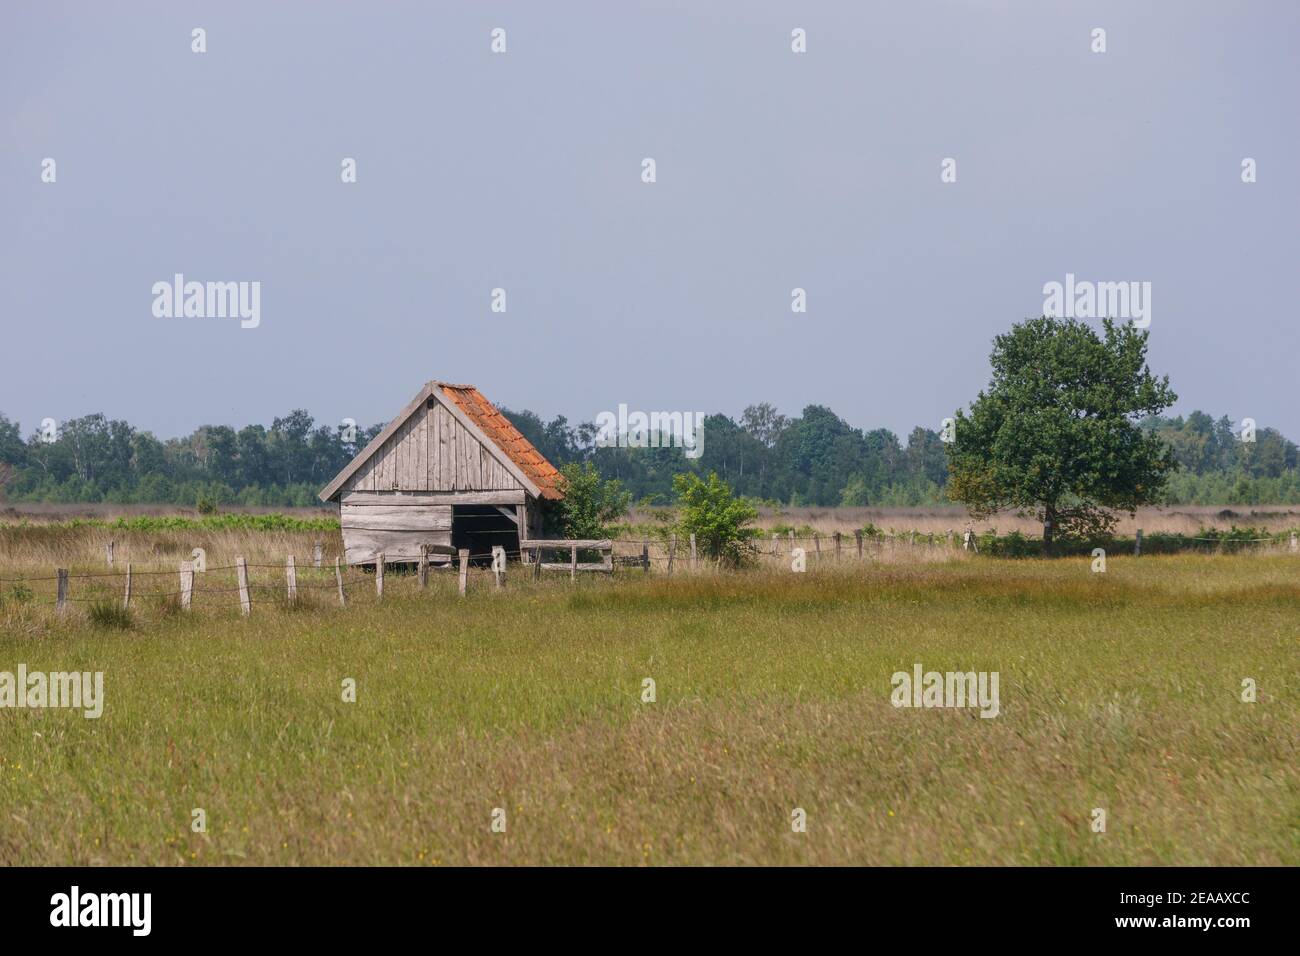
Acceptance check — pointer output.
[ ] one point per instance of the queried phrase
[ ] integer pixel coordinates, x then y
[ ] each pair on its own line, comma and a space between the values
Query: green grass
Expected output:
109, 615
153, 523
1119, 691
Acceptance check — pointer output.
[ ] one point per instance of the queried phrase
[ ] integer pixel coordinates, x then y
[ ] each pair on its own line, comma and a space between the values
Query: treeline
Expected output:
99, 459
1218, 467
815, 458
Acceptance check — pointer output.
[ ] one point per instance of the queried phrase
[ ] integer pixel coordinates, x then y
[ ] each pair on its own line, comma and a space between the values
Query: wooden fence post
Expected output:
537, 564
108, 552
817, 544
316, 552
857, 537
424, 565
573, 562
338, 577
464, 569
379, 575
837, 545
694, 558
241, 571
187, 584
950, 539
672, 550
645, 555
126, 598
774, 544
291, 579
1137, 544
61, 599
498, 555
1295, 543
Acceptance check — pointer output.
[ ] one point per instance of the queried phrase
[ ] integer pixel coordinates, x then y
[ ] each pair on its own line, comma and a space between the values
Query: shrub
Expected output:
590, 503
1016, 545
715, 517
855, 493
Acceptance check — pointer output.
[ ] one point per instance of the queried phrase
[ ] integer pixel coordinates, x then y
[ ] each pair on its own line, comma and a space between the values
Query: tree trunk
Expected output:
1049, 528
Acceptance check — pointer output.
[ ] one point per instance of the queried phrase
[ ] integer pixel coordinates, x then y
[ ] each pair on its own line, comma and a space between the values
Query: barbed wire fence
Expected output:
247, 585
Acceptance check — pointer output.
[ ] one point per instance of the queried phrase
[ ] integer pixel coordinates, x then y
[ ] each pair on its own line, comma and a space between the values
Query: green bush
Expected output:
590, 503
716, 518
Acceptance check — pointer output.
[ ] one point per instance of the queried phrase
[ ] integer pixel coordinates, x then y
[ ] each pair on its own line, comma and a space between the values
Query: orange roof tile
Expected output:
506, 437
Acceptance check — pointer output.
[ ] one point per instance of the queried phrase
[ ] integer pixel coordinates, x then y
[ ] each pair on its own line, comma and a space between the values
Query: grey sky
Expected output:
523, 171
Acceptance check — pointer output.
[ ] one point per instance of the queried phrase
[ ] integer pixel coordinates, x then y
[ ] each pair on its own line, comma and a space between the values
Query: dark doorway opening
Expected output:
480, 527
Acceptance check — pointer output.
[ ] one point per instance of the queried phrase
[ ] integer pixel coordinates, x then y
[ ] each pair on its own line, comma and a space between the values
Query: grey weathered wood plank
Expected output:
425, 498
421, 482
413, 512
444, 451
407, 542
415, 523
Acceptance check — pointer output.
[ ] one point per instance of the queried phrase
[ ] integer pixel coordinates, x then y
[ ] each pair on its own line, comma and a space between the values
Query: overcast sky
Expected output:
523, 171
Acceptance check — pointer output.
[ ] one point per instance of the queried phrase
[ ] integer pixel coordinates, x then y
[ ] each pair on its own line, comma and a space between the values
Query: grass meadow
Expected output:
1119, 691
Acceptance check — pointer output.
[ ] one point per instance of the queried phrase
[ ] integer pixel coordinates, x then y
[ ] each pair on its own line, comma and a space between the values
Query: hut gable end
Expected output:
448, 439
431, 451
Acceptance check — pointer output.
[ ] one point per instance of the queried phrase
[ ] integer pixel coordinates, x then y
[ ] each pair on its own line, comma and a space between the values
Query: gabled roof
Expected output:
506, 437
481, 419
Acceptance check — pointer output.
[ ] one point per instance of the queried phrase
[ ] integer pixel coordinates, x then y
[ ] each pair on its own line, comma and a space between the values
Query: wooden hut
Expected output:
449, 470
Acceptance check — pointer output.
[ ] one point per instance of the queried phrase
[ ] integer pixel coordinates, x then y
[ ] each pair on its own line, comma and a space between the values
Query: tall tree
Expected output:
764, 423
925, 456
1057, 434
13, 451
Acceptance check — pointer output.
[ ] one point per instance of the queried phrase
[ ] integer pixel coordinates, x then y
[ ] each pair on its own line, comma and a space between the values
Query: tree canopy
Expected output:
1057, 433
